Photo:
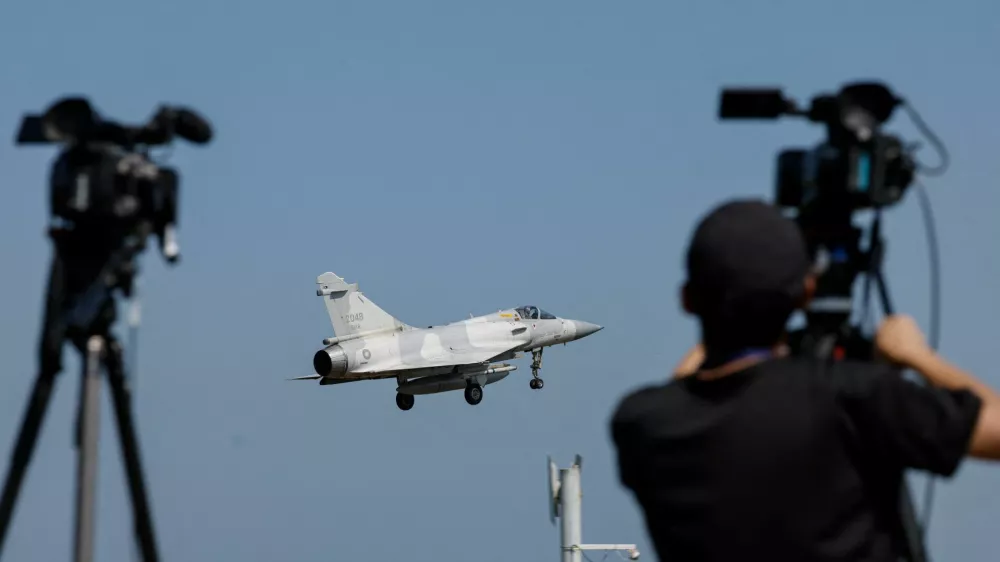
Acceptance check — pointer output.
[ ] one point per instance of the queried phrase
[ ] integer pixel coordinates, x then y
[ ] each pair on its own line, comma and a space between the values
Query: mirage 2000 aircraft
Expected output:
371, 344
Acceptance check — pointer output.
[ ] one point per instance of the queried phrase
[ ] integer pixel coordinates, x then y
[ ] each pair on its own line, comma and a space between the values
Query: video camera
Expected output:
103, 184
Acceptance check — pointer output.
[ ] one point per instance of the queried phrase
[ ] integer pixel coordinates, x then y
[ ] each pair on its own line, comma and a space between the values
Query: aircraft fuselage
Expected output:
371, 344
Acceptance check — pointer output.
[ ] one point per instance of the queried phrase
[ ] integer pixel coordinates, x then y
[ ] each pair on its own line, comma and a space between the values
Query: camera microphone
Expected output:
192, 127
753, 103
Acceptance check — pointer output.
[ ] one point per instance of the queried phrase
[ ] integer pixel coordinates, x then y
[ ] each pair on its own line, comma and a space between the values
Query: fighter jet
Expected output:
369, 343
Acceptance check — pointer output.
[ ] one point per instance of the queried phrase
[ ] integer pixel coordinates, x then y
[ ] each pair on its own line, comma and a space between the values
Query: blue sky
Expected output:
452, 158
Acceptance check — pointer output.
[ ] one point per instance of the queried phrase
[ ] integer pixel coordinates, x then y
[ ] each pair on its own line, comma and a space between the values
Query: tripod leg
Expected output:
130, 451
90, 404
50, 358
24, 448
875, 270
911, 527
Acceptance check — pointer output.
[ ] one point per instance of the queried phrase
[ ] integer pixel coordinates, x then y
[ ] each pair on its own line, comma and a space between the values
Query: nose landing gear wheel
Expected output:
473, 394
536, 384
404, 401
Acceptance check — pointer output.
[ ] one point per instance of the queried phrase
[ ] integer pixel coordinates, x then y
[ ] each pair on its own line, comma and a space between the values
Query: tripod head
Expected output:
856, 167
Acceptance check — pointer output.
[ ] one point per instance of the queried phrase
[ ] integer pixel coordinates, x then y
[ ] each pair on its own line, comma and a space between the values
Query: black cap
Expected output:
744, 257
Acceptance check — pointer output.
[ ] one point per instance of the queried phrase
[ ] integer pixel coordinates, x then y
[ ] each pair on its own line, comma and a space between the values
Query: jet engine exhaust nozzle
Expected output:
330, 361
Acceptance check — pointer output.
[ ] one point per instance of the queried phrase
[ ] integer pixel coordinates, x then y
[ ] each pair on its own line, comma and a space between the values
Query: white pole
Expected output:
570, 499
566, 492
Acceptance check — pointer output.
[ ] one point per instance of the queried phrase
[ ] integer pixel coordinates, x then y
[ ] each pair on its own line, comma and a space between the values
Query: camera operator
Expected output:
750, 453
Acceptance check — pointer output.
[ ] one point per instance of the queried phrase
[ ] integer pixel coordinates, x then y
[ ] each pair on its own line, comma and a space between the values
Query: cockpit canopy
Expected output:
533, 313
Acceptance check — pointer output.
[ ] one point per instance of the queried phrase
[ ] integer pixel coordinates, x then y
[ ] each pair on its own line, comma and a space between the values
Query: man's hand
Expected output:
900, 340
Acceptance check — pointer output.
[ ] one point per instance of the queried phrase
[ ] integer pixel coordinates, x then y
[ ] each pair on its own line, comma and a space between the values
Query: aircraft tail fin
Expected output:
350, 311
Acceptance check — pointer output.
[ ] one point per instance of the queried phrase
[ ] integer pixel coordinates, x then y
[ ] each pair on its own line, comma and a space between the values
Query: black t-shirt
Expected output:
788, 460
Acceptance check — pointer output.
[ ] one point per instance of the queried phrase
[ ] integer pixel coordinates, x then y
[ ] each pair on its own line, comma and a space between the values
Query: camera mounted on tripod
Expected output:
104, 185
106, 195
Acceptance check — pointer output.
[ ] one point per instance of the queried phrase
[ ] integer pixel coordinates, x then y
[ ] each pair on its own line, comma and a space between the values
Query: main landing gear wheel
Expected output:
473, 394
404, 401
536, 364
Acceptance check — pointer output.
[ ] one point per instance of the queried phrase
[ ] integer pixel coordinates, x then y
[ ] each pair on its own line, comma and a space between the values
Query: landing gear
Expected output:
473, 394
404, 401
536, 364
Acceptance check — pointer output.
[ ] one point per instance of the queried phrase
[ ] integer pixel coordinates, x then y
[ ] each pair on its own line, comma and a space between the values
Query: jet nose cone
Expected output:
584, 329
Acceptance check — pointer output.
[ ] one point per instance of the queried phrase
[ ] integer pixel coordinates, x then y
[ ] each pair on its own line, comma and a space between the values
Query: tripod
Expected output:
829, 336
88, 265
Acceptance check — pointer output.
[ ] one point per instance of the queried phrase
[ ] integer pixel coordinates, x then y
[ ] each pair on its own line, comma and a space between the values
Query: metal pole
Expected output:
566, 503
86, 476
570, 508
130, 450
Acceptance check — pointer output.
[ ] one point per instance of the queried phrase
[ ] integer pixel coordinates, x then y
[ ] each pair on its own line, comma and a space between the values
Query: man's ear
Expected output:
687, 299
808, 290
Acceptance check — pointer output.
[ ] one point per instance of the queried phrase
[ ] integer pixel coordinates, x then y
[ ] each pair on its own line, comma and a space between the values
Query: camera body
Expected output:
106, 189
103, 184
860, 176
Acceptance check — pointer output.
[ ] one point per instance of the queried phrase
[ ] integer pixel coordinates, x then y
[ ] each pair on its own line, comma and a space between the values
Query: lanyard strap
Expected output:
761, 352
751, 352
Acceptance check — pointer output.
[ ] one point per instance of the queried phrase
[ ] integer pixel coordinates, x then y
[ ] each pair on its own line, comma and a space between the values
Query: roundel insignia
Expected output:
367, 354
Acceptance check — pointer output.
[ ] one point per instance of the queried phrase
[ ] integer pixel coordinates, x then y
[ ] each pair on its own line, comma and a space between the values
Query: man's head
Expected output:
748, 270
